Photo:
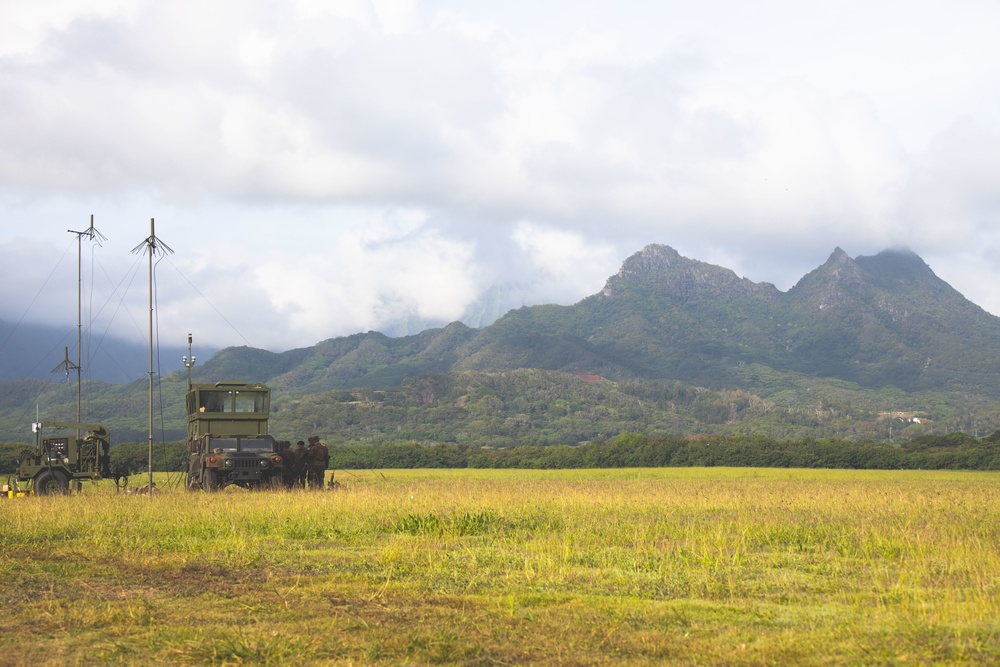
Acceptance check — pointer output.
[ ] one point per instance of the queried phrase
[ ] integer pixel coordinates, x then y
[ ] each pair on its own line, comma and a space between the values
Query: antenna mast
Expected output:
153, 245
188, 361
92, 234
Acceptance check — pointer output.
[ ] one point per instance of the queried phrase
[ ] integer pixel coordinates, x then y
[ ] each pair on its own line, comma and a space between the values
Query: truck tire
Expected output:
51, 483
209, 481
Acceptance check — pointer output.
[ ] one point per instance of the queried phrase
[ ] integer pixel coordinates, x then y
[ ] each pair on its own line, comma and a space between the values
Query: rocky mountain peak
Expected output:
893, 280
666, 271
830, 284
652, 258
839, 264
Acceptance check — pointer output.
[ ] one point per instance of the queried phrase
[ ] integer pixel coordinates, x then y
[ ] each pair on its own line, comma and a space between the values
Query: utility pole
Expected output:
153, 245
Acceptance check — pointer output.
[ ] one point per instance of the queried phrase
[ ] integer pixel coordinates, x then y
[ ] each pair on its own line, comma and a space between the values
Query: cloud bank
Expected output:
326, 168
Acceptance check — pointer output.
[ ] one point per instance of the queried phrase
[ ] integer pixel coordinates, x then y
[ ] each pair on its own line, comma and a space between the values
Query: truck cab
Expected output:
228, 442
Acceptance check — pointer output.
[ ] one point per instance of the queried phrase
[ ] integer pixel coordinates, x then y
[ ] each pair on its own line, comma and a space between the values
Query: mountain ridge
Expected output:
852, 341
871, 320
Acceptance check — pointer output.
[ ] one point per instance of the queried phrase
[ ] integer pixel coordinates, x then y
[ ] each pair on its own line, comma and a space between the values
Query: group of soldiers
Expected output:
305, 465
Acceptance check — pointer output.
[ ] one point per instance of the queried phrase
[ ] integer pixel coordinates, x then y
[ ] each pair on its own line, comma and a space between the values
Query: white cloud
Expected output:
309, 287
564, 261
423, 151
954, 194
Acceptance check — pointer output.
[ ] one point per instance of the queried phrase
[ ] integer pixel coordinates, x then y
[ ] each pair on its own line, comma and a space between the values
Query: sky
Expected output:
318, 169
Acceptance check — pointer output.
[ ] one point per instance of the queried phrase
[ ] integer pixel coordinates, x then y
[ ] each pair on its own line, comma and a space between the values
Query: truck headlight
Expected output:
229, 463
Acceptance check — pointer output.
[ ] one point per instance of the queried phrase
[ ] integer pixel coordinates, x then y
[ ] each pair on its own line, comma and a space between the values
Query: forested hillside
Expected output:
873, 348
530, 406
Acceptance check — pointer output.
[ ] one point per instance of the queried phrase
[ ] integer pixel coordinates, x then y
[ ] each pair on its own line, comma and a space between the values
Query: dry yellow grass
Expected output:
690, 566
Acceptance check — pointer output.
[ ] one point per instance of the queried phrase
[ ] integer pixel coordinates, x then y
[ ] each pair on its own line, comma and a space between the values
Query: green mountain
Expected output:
662, 316
888, 320
670, 345
881, 321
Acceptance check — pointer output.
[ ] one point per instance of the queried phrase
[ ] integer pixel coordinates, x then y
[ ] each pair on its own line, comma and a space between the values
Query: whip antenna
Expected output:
153, 245
92, 234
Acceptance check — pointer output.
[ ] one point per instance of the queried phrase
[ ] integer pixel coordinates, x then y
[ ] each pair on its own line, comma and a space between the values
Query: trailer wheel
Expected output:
51, 483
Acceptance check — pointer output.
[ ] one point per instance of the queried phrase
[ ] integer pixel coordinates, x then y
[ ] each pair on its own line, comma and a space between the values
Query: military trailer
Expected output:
228, 442
56, 463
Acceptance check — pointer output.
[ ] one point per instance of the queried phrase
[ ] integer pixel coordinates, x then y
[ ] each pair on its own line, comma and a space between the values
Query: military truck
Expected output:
59, 462
228, 442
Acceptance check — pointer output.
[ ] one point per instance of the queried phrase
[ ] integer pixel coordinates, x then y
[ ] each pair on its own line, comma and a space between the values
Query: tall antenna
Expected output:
153, 245
94, 235
66, 366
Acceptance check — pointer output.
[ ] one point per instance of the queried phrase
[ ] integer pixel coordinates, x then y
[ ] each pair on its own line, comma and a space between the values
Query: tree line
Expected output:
633, 450
955, 451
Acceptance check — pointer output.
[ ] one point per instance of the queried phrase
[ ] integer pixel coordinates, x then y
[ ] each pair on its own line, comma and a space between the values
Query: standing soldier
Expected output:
288, 471
319, 457
301, 464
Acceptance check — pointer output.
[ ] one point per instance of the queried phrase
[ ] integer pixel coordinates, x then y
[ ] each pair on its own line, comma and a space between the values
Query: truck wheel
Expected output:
209, 482
51, 483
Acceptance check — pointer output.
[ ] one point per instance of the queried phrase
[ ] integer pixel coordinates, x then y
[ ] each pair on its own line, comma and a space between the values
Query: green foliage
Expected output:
9, 454
529, 406
133, 457
633, 450
537, 407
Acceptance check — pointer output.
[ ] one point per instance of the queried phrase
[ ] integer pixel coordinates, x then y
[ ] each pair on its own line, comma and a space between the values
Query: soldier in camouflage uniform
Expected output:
301, 464
319, 459
288, 470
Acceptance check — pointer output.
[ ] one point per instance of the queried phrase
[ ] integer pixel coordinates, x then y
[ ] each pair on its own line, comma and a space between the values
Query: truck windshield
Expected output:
225, 444
257, 445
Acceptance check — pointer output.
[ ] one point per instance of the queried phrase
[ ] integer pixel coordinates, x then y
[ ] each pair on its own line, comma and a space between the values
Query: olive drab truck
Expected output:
58, 462
228, 442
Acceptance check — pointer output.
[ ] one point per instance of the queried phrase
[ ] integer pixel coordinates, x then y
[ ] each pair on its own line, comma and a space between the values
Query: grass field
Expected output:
476, 567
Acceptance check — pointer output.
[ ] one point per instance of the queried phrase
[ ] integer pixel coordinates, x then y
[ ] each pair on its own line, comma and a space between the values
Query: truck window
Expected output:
215, 401
251, 401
